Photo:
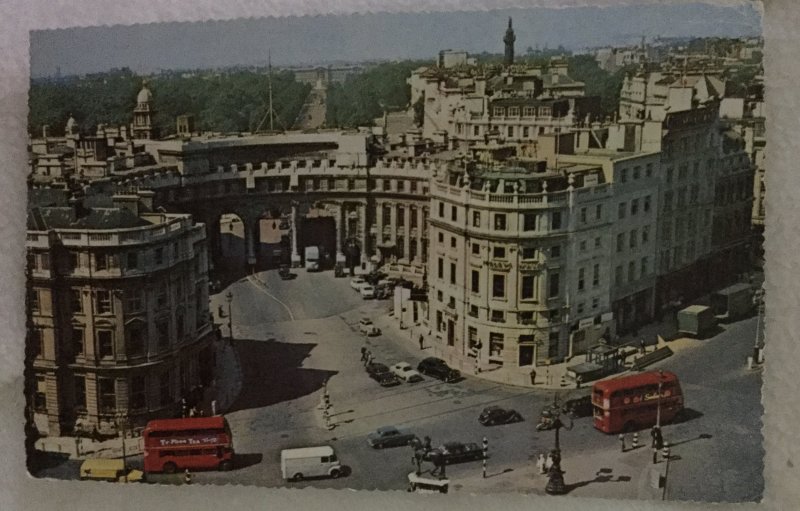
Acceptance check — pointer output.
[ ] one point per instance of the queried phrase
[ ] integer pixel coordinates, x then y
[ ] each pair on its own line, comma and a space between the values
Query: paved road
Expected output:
312, 113
285, 363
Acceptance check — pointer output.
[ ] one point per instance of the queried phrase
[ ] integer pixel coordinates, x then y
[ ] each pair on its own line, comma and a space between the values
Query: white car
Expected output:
367, 291
405, 372
357, 283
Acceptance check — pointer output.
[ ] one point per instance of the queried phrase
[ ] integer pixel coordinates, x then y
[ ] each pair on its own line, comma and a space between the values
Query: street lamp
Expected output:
119, 420
229, 299
555, 482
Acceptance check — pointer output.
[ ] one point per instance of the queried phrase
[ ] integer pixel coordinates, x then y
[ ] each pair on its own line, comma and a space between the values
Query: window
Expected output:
159, 255
645, 234
555, 220
441, 210
637, 171
37, 340
476, 249
581, 306
581, 279
510, 131
77, 341
499, 252
633, 238
499, 222
476, 130
527, 287
34, 300
597, 242
497, 316
529, 111
526, 132
595, 303
440, 296
413, 186
495, 344
598, 211
621, 210
401, 185
618, 275
499, 111
553, 285
476, 219
668, 201
452, 242
135, 341
476, 281
528, 253
452, 273
669, 174
623, 175
79, 384
620, 241
634, 206
451, 302
133, 260
647, 204
164, 388
401, 216
643, 270
582, 246
555, 251
107, 395
529, 221
441, 237
454, 213
596, 275
138, 396
473, 311
161, 298
553, 342
649, 170
162, 330
498, 286
101, 262
631, 271
440, 268
583, 215
104, 302
133, 302
74, 260
40, 398
513, 111
105, 343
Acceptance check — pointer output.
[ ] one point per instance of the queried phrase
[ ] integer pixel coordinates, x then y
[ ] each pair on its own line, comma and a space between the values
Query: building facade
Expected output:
121, 327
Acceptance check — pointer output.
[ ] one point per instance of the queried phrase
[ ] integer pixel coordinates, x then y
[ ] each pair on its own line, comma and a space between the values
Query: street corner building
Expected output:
119, 327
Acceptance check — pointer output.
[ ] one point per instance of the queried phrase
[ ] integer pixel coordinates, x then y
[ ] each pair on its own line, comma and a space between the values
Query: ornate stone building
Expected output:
121, 327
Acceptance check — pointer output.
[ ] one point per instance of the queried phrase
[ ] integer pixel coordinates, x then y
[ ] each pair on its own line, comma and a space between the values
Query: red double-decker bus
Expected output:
194, 443
632, 402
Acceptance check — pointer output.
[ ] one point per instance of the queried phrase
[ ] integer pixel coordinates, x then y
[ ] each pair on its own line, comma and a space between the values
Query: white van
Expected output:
298, 464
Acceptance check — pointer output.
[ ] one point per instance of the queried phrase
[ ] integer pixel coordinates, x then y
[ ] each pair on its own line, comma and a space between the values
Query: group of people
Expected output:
544, 463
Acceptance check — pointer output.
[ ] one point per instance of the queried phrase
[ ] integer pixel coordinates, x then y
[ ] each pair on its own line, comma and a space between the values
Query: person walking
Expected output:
533, 376
622, 442
363, 354
548, 464
541, 464
642, 349
421, 342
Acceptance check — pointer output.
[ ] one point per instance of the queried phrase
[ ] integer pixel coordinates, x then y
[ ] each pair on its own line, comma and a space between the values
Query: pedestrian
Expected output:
657, 438
541, 464
421, 342
578, 381
363, 354
622, 442
427, 444
642, 349
548, 464
533, 376
187, 477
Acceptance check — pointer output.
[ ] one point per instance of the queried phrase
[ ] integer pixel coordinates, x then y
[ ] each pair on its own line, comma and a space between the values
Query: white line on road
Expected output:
253, 281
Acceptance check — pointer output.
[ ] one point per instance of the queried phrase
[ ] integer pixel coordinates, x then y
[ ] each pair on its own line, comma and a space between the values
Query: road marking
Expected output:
253, 281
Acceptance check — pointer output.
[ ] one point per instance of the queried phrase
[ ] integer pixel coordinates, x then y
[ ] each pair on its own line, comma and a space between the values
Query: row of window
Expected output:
527, 282
525, 131
632, 207
400, 212
678, 197
530, 221
619, 271
635, 172
671, 258
107, 393
634, 236
527, 111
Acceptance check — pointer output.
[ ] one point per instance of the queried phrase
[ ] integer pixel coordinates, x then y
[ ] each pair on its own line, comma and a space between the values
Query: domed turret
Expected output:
72, 126
143, 114
145, 96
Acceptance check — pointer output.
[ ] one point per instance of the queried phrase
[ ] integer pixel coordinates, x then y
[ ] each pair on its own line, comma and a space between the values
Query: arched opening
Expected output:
319, 232
273, 237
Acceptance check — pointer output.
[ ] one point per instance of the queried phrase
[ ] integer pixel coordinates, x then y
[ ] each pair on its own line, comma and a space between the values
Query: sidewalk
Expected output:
79, 448
603, 474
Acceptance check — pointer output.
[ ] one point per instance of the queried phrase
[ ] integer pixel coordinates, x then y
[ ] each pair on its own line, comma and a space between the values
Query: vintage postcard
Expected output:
503, 251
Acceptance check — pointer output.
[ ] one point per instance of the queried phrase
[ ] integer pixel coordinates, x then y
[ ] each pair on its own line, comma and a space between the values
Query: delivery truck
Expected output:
733, 302
696, 320
313, 262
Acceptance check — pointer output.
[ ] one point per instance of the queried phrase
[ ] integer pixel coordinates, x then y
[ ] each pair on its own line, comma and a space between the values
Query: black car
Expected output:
455, 452
381, 374
493, 415
437, 368
579, 407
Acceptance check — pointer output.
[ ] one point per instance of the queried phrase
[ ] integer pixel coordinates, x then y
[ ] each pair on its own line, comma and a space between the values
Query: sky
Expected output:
149, 48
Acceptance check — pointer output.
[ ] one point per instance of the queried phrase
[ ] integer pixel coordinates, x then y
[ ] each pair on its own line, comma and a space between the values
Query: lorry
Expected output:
733, 302
313, 262
298, 464
696, 320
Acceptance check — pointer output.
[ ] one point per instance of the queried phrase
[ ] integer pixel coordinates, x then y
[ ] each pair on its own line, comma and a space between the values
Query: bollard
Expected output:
749, 362
665, 451
187, 477
635, 441
622, 442
485, 455
563, 381
655, 455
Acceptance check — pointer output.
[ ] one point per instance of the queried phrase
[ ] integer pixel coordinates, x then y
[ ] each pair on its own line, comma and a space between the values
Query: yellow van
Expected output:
112, 470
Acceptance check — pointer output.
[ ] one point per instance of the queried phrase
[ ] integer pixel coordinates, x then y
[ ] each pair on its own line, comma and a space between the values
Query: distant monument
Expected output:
509, 40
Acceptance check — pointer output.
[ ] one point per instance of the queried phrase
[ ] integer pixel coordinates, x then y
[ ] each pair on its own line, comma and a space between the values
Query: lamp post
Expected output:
555, 482
120, 423
229, 299
758, 299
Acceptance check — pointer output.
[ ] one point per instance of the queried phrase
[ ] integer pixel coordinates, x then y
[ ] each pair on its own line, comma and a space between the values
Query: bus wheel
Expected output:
629, 427
298, 477
170, 467
335, 473
225, 465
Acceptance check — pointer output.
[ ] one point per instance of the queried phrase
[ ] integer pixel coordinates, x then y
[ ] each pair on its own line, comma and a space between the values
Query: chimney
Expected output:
146, 199
129, 202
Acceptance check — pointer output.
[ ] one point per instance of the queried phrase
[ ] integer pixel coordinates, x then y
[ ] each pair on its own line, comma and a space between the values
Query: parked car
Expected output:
405, 372
367, 292
381, 374
439, 369
390, 436
579, 407
455, 452
366, 327
357, 282
493, 415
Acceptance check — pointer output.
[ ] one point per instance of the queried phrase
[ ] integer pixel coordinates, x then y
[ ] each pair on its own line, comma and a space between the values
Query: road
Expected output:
312, 113
291, 336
